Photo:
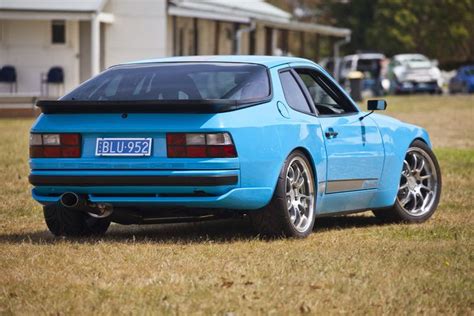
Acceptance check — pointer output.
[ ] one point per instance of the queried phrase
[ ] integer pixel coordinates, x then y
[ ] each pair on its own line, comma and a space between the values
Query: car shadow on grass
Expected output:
219, 231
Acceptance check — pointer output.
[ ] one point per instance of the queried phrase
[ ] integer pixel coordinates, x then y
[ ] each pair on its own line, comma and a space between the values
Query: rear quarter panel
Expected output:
297, 131
265, 138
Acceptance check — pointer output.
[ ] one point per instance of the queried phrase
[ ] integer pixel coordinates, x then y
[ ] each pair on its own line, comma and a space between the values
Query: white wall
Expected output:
138, 32
27, 46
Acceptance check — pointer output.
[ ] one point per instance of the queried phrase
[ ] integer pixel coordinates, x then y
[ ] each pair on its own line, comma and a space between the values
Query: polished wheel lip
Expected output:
299, 190
419, 183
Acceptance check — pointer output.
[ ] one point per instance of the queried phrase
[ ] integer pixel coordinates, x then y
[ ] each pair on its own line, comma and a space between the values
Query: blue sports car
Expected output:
194, 138
463, 81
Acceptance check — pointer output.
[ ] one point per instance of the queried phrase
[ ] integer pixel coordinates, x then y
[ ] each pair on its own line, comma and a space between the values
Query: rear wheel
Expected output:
291, 212
420, 187
62, 221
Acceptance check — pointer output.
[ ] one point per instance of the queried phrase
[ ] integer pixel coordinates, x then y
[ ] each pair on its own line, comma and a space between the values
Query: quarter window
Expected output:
293, 94
348, 64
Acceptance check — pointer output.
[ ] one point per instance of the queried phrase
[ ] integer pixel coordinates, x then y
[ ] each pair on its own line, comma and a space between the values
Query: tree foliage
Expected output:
440, 29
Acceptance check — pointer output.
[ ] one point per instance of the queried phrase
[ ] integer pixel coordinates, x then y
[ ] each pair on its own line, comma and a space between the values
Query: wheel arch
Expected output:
421, 139
308, 156
398, 137
311, 162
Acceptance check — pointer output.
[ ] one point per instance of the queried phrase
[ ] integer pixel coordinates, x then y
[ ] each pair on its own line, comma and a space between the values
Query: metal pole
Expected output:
337, 46
238, 36
95, 45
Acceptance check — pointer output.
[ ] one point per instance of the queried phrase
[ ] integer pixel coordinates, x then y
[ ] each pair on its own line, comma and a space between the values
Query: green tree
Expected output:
440, 29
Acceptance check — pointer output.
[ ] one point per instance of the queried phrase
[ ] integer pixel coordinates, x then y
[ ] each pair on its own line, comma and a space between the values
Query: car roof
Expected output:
409, 56
268, 61
366, 56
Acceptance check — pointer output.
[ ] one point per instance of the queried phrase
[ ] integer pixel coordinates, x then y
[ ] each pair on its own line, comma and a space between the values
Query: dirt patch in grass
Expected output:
351, 264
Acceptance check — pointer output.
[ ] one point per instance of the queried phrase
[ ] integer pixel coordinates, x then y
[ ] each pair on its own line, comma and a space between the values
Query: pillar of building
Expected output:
95, 45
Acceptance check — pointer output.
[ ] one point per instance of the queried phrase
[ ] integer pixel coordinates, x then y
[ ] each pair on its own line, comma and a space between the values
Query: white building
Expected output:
84, 37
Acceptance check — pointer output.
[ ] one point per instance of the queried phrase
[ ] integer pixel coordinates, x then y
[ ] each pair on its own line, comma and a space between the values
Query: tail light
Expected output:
200, 145
55, 145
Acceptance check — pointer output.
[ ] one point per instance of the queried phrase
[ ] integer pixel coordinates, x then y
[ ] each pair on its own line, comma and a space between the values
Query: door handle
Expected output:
331, 133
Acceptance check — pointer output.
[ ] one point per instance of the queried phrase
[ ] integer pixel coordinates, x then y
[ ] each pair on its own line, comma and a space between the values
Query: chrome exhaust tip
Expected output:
80, 203
69, 199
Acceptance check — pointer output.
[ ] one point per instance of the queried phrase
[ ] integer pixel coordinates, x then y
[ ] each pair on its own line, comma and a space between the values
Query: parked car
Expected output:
463, 81
329, 64
194, 138
370, 65
411, 73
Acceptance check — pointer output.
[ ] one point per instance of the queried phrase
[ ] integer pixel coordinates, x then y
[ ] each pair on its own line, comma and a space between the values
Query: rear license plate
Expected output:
123, 147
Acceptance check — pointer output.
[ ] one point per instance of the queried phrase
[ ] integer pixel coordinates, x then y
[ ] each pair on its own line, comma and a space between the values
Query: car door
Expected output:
462, 80
355, 153
456, 81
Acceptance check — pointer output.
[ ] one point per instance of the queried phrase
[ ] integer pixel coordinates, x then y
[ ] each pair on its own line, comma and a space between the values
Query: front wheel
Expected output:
291, 212
419, 190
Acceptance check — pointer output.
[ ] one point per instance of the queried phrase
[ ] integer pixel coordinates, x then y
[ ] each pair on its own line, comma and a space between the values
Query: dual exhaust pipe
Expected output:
74, 201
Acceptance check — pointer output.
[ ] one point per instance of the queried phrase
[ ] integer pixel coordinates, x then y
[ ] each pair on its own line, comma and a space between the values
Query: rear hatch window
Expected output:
177, 81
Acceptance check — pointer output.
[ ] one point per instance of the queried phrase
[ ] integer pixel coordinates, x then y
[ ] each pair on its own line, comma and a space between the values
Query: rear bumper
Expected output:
414, 86
236, 199
127, 188
130, 180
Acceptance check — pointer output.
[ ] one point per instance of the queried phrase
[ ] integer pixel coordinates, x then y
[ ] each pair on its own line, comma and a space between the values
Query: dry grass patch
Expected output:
351, 264
449, 120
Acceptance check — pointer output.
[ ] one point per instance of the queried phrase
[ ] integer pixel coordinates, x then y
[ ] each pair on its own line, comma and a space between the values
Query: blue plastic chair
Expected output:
54, 76
8, 75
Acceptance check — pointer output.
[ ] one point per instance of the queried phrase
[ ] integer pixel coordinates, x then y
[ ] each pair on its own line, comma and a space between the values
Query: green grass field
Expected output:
350, 264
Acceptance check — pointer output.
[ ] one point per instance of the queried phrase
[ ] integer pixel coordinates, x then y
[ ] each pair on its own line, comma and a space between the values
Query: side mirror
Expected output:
376, 105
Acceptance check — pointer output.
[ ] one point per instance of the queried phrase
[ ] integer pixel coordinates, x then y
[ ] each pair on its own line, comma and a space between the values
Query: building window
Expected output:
58, 32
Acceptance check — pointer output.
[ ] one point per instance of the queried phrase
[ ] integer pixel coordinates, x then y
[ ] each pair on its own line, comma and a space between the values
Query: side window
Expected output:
325, 99
293, 94
348, 64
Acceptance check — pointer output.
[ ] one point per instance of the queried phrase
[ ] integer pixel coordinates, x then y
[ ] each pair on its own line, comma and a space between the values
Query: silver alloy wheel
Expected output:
299, 190
418, 184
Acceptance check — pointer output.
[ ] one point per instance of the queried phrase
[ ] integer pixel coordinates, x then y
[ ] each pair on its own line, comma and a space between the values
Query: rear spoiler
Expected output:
145, 106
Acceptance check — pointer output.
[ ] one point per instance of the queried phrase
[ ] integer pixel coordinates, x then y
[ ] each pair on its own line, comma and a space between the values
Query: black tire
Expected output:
62, 221
397, 213
274, 219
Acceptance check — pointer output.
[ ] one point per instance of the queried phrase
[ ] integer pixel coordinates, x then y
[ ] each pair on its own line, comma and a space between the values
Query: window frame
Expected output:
2, 31
303, 89
329, 87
